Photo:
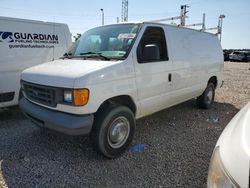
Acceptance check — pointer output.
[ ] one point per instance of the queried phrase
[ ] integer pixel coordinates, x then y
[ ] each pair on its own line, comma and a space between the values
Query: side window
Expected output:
152, 47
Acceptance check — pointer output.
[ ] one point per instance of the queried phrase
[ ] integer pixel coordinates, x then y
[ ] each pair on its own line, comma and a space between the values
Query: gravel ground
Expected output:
178, 145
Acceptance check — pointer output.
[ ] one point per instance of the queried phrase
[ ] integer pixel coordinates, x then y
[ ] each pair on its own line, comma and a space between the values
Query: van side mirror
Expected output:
151, 52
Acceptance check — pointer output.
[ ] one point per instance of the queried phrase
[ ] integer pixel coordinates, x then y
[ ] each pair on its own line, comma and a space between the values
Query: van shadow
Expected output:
11, 113
41, 158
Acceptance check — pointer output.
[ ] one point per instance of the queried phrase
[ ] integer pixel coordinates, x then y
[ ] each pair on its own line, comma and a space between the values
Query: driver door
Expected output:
153, 77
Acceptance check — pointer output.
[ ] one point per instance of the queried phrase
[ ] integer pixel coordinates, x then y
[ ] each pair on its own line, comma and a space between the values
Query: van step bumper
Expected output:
62, 122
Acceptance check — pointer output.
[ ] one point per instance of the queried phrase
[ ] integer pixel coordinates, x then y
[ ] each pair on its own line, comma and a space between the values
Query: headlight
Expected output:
67, 96
77, 97
217, 175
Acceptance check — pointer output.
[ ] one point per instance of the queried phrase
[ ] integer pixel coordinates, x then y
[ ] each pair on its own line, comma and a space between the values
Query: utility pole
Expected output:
102, 16
183, 14
124, 17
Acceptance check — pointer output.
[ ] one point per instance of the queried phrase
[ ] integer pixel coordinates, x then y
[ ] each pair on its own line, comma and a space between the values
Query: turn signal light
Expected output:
80, 96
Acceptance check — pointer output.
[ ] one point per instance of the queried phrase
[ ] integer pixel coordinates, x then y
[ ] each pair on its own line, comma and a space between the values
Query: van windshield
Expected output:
106, 42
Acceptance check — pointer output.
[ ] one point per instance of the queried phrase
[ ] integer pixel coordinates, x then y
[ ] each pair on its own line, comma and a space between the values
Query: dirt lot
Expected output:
178, 145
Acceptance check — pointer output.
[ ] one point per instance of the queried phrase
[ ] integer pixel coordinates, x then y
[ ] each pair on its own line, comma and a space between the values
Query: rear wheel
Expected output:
206, 100
113, 130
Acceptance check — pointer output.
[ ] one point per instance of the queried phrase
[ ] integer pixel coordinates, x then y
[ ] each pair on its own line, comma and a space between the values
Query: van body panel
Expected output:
152, 82
196, 57
63, 72
108, 78
26, 43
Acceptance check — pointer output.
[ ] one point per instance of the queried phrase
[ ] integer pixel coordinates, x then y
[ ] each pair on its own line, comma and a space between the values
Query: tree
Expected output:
78, 35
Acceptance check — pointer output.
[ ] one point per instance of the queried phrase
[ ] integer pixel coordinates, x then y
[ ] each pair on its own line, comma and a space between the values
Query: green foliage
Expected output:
78, 35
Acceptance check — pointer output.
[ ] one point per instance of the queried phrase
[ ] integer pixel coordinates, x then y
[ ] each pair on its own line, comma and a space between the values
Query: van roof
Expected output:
29, 21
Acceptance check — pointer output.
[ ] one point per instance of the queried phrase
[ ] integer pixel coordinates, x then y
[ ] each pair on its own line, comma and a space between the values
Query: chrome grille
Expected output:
38, 93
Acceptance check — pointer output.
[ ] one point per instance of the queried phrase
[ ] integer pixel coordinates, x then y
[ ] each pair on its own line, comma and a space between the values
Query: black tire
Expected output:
245, 58
204, 101
20, 94
104, 121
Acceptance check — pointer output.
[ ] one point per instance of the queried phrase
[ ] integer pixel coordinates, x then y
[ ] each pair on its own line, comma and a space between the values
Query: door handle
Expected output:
169, 77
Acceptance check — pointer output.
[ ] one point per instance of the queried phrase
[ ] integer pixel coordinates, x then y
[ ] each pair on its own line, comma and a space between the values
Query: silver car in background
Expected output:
242, 56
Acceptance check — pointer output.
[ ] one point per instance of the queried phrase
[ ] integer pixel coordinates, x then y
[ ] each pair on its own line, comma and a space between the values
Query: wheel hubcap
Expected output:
118, 132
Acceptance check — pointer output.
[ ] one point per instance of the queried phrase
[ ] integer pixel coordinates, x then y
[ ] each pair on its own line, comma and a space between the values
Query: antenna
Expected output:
124, 17
102, 15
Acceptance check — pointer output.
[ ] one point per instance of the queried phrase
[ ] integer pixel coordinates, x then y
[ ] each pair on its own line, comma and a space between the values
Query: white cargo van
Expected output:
25, 43
118, 73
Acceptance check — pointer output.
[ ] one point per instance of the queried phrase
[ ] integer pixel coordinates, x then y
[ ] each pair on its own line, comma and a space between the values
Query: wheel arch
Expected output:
213, 80
124, 100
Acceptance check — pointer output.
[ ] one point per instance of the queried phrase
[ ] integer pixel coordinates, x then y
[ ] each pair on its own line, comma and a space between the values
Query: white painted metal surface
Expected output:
25, 43
234, 144
194, 57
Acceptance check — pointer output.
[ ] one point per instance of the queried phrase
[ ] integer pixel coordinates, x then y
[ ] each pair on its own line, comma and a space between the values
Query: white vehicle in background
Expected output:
118, 73
229, 166
25, 43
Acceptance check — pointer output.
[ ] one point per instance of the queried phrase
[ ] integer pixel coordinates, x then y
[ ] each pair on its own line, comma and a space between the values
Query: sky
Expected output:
81, 15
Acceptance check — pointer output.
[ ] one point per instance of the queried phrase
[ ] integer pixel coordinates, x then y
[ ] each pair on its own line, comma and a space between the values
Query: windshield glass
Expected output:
110, 42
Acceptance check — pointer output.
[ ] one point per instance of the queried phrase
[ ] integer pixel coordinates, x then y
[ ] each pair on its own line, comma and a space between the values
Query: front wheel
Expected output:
206, 100
113, 130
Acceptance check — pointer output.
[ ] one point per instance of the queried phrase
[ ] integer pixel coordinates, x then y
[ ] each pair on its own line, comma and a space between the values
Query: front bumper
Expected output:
62, 122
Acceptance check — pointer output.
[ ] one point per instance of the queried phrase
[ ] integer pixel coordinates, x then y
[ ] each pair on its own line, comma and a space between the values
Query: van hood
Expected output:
63, 72
234, 145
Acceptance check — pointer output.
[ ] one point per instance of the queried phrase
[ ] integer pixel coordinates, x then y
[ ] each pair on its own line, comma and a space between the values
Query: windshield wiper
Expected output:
96, 54
66, 55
